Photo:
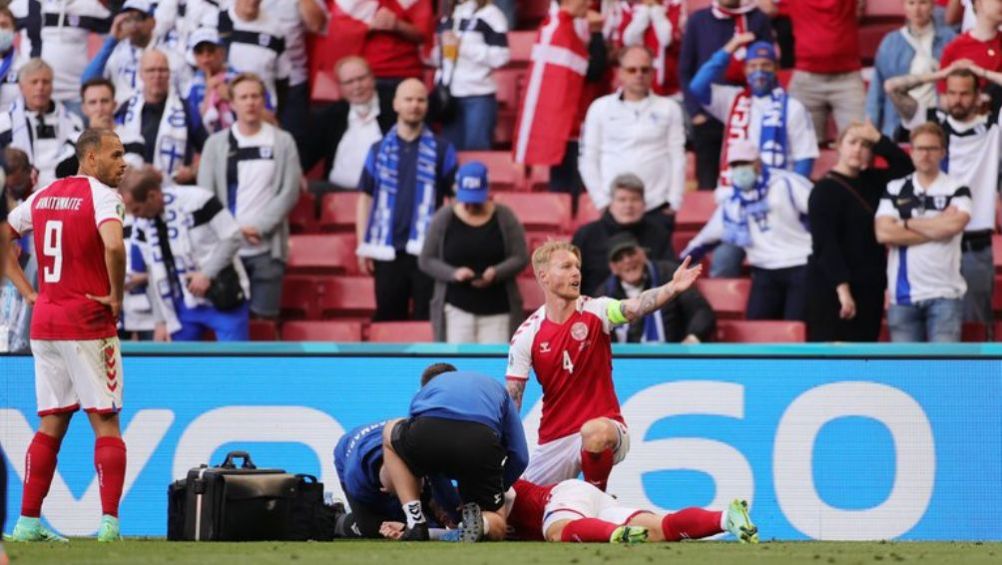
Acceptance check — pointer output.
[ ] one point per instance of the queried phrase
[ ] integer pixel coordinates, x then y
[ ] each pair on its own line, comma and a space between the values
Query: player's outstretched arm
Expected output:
650, 300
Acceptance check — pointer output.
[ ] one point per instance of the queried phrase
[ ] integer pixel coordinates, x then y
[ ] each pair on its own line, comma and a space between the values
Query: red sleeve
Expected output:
422, 16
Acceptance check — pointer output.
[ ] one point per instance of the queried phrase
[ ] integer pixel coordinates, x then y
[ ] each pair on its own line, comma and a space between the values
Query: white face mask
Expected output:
744, 177
6, 39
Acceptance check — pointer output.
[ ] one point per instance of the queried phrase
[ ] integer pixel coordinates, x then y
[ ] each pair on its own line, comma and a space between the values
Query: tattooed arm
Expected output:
650, 300
516, 389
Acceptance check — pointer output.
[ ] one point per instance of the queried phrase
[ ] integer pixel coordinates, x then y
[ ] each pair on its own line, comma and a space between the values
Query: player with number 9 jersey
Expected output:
567, 343
77, 229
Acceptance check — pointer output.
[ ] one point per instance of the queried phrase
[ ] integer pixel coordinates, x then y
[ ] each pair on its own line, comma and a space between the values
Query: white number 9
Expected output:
53, 247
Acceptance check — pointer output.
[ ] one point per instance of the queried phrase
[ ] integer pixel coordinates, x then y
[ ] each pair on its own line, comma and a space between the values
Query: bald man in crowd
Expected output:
155, 123
395, 207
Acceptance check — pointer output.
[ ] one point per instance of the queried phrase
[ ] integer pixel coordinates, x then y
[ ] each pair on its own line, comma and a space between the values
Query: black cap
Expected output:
621, 242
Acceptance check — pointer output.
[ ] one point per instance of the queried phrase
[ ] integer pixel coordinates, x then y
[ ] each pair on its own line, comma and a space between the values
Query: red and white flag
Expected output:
556, 78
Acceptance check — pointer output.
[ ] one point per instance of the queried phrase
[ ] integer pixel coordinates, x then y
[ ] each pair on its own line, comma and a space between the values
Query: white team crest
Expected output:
263, 40
266, 152
579, 331
544, 347
939, 202
73, 20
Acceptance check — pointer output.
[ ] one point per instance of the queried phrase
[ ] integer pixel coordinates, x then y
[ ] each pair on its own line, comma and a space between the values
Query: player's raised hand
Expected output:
739, 40
114, 305
685, 276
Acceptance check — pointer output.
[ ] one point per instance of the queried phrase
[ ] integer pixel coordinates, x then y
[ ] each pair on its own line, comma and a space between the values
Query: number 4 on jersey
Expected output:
568, 365
53, 247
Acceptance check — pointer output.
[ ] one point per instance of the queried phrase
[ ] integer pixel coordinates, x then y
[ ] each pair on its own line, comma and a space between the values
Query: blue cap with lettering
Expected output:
471, 183
761, 50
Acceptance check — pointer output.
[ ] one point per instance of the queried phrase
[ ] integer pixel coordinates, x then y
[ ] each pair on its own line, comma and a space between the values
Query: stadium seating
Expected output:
346, 297
884, 9
824, 163
400, 332
728, 297
263, 330
973, 332
697, 207
761, 331
303, 217
540, 212
503, 174
337, 212
997, 252
299, 298
538, 179
509, 82
532, 294
586, 212
322, 254
327, 330
520, 46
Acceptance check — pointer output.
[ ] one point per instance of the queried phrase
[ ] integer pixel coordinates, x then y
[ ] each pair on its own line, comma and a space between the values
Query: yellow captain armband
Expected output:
615, 313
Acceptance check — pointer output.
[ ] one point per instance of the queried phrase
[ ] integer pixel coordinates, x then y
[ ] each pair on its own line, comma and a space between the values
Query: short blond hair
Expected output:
541, 256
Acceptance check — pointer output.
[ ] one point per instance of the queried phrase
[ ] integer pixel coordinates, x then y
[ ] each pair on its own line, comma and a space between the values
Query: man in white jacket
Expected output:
764, 211
635, 131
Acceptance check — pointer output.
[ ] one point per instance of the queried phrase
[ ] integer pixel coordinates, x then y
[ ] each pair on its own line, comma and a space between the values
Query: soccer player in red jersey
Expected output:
566, 342
576, 511
77, 225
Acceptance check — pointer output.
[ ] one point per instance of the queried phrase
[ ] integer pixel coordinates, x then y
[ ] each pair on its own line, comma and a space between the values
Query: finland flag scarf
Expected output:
654, 324
378, 242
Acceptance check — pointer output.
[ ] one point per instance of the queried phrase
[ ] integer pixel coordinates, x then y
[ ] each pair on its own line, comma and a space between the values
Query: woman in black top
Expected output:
847, 270
474, 249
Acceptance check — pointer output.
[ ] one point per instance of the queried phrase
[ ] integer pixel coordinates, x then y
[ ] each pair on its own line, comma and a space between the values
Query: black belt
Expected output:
976, 240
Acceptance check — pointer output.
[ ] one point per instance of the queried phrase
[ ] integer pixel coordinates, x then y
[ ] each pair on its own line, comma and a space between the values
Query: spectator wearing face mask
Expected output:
761, 112
764, 212
8, 59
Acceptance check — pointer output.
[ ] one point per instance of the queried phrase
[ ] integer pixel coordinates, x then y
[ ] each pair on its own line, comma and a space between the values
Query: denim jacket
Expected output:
894, 58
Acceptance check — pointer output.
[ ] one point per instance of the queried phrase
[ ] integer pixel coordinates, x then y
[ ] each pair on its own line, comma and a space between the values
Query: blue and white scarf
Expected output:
773, 144
654, 324
378, 242
172, 132
743, 205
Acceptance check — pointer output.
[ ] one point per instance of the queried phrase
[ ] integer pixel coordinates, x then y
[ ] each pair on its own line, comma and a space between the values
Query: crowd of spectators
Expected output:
212, 101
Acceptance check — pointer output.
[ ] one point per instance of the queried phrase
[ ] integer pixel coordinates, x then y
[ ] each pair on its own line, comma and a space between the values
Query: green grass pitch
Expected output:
139, 551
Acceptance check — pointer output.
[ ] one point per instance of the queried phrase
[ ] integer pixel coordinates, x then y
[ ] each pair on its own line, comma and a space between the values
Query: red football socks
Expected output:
690, 523
588, 530
39, 465
597, 467
109, 460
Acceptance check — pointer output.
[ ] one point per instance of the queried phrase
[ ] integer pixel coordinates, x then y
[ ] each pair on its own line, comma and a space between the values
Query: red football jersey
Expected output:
572, 362
525, 517
65, 217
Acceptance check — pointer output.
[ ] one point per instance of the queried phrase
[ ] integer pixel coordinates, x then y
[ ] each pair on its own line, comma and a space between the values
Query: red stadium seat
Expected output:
509, 83
539, 211
263, 330
697, 207
690, 166
884, 9
347, 297
534, 239
325, 87
680, 239
337, 212
728, 297
504, 131
322, 331
532, 12
693, 5
299, 298
973, 332
532, 294
303, 217
323, 254
997, 252
538, 179
520, 46
761, 331
824, 163
400, 332
587, 212
502, 173
870, 36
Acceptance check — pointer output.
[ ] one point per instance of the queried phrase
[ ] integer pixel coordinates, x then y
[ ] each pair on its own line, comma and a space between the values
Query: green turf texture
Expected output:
80, 551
